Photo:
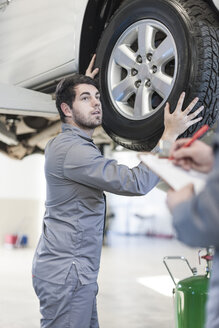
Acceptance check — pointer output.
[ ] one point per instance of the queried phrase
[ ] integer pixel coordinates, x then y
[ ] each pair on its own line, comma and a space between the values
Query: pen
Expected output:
197, 135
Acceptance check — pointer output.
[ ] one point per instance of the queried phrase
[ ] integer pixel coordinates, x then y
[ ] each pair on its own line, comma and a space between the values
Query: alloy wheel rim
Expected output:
142, 69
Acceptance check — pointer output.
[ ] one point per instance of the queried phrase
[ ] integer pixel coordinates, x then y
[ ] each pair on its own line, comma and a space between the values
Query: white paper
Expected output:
173, 175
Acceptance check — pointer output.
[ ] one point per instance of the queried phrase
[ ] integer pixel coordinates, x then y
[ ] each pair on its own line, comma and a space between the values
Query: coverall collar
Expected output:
76, 130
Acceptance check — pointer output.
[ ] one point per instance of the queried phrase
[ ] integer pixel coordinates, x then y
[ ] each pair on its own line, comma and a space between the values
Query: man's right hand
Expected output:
91, 71
197, 156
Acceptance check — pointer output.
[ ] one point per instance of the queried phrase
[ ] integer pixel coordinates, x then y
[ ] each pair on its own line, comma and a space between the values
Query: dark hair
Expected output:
65, 90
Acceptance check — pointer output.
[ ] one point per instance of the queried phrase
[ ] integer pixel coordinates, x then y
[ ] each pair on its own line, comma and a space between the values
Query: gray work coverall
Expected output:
197, 224
67, 258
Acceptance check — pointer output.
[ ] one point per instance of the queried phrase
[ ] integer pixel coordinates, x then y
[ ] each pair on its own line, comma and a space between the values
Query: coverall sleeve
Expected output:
197, 222
87, 166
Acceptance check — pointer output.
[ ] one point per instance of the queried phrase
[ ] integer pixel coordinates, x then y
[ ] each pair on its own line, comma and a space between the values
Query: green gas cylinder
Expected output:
190, 294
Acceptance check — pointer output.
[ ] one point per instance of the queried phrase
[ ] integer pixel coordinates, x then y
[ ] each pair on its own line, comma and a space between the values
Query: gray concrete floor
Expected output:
123, 301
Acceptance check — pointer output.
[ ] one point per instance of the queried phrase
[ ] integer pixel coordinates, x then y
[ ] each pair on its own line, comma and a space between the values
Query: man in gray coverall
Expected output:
67, 258
196, 218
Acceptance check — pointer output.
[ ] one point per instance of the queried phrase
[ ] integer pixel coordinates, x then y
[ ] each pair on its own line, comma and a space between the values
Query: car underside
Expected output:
147, 56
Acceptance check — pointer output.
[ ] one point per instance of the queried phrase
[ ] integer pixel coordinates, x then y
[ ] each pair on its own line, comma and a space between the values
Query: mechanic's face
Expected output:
86, 108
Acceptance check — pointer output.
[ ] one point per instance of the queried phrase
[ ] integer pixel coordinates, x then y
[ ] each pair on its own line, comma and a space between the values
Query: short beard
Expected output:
86, 123
86, 126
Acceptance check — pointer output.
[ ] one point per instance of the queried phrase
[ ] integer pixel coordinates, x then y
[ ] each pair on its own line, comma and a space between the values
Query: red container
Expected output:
10, 240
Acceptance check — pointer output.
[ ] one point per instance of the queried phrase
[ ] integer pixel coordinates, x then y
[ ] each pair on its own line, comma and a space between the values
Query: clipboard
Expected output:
175, 176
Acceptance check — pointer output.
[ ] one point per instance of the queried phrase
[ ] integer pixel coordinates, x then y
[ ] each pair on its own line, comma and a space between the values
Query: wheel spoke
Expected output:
162, 84
125, 57
142, 102
123, 90
146, 35
164, 53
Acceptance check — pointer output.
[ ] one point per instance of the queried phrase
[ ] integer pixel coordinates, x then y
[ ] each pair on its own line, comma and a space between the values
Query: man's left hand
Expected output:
180, 120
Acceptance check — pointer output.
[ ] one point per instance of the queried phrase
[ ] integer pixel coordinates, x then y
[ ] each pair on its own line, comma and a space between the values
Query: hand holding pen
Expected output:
197, 135
191, 153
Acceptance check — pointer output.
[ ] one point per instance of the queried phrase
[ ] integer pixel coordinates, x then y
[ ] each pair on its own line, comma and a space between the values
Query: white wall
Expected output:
155, 217
22, 196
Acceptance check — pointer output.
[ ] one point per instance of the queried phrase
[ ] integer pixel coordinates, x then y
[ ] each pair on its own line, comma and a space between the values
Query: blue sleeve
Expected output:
197, 221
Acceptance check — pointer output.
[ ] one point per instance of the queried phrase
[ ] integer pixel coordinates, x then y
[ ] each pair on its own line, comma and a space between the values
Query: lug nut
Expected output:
154, 69
148, 83
139, 59
149, 57
134, 72
138, 83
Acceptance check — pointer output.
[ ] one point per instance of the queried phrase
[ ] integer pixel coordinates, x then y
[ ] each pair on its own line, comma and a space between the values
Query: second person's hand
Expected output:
174, 198
197, 156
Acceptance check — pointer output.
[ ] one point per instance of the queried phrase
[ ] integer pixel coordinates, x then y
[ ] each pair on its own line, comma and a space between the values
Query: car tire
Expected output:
148, 54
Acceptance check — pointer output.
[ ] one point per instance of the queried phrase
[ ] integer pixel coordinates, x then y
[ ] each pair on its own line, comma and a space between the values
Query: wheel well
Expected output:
97, 15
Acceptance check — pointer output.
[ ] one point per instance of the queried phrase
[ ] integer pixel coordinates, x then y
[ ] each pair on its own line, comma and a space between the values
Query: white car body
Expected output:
52, 47
216, 3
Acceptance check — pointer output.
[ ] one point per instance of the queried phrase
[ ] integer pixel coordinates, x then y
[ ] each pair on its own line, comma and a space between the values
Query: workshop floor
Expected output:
134, 286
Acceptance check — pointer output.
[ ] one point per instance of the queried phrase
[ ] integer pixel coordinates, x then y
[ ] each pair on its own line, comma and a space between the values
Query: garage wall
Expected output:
144, 215
20, 217
22, 197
